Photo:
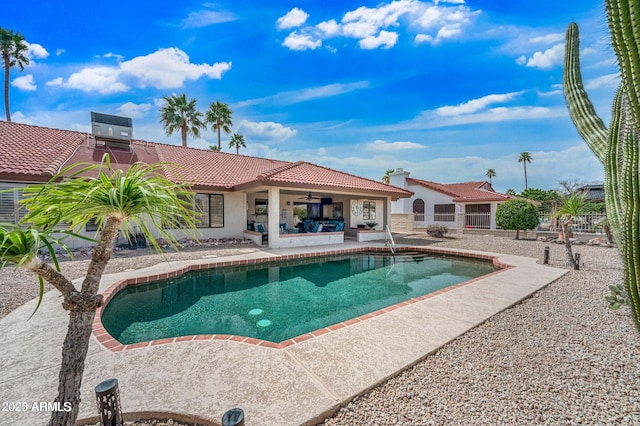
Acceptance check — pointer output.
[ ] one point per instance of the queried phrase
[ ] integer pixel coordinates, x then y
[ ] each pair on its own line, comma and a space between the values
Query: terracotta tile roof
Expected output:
33, 152
206, 168
41, 152
465, 192
304, 173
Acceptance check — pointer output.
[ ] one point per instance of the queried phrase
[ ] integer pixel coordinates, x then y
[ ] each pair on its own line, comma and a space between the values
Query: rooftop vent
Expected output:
112, 131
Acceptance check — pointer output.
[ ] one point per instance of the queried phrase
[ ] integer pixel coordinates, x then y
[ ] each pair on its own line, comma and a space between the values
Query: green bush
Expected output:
437, 231
517, 215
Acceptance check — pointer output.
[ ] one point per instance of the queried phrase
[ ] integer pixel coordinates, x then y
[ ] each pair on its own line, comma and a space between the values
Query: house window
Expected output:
444, 213
368, 210
10, 210
92, 225
209, 212
210, 208
418, 210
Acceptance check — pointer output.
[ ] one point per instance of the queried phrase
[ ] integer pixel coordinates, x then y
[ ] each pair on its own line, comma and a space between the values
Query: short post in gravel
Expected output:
108, 401
546, 255
577, 256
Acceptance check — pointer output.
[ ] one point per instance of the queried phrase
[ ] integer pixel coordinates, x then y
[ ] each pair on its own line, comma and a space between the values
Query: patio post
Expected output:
274, 217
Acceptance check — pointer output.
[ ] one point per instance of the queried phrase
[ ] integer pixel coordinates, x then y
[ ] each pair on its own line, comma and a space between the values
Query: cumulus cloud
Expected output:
382, 26
384, 146
544, 60
36, 51
164, 69
609, 80
265, 130
294, 18
132, 110
24, 82
298, 41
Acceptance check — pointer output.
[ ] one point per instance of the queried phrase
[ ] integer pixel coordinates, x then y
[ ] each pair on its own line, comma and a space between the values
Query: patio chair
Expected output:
260, 228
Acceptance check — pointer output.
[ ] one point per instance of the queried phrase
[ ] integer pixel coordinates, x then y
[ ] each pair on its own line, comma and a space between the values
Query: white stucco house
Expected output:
466, 205
236, 196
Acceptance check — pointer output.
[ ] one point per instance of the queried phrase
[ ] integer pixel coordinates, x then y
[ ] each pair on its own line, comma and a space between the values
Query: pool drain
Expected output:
263, 323
255, 311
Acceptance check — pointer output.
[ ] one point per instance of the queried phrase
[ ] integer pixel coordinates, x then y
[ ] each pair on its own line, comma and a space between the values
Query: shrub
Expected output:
517, 215
437, 231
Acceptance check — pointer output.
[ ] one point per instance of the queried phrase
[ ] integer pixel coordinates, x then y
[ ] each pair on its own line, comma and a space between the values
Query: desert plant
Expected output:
572, 206
371, 225
140, 197
437, 231
517, 214
617, 146
617, 297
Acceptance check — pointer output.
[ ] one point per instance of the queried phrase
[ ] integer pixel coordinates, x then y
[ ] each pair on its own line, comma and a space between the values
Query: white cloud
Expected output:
384, 146
164, 69
385, 39
545, 60
609, 80
119, 58
294, 18
297, 41
103, 80
25, 82
203, 18
36, 51
381, 26
475, 105
310, 93
265, 130
132, 110
60, 52
169, 68
547, 39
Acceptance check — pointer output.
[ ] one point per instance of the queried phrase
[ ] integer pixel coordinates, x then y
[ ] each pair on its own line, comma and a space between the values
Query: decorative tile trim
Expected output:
110, 343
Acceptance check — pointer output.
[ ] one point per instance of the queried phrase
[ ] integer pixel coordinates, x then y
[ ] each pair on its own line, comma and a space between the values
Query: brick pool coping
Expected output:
110, 343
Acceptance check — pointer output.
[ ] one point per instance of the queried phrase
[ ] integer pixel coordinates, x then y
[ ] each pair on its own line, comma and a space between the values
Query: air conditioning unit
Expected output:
113, 130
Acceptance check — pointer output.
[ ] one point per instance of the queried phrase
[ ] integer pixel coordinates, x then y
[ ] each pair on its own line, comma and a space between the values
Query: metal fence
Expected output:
477, 220
590, 223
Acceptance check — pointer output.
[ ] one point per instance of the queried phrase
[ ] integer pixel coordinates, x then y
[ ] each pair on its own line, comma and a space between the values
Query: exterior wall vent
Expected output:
112, 131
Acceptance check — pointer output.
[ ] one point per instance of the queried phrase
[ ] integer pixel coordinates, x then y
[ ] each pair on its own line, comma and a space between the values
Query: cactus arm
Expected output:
624, 26
613, 201
589, 125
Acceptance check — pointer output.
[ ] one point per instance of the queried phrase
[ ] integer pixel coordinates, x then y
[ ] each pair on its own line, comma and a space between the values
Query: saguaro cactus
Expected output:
617, 146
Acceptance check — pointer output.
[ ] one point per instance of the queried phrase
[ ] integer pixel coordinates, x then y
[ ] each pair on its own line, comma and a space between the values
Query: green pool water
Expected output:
278, 301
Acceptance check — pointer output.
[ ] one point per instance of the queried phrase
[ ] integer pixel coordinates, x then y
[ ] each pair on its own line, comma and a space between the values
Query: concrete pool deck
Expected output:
296, 384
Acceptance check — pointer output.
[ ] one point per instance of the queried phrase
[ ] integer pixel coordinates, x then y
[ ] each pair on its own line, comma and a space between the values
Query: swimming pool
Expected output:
276, 301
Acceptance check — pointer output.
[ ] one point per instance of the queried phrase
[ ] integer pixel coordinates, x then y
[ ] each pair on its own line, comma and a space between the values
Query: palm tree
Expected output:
387, 176
140, 197
237, 140
572, 206
525, 157
14, 49
219, 115
178, 113
213, 147
491, 173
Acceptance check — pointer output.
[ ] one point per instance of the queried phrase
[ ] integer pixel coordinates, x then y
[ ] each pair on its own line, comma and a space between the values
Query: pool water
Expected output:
281, 300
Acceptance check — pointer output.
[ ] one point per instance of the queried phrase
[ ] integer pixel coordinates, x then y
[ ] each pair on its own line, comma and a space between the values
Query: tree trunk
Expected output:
82, 311
7, 68
526, 183
567, 245
183, 130
219, 143
517, 234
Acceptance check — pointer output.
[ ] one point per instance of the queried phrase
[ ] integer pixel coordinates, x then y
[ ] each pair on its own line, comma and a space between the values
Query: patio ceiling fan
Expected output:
309, 197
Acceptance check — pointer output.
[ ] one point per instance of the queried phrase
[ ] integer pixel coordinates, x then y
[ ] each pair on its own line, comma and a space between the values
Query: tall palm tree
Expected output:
178, 113
219, 115
140, 197
238, 141
387, 176
491, 173
14, 49
525, 157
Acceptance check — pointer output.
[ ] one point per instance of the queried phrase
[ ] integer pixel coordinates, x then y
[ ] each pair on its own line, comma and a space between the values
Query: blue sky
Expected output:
443, 89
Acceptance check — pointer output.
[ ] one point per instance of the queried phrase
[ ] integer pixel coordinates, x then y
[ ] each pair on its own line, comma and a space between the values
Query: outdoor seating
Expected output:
260, 228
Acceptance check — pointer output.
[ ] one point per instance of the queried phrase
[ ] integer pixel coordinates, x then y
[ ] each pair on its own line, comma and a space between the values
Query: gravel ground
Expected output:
559, 357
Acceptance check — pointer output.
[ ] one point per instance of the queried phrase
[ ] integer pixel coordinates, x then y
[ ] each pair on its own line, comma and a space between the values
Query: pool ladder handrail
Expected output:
388, 241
